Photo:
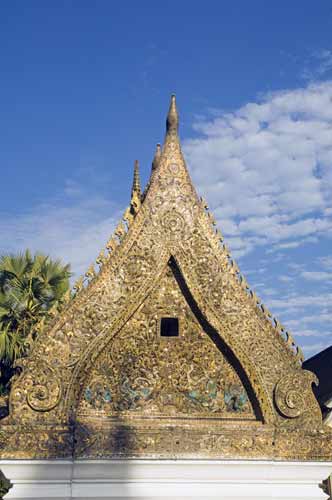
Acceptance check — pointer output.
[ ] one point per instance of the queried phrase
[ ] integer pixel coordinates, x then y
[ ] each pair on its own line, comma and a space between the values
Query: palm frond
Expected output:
29, 287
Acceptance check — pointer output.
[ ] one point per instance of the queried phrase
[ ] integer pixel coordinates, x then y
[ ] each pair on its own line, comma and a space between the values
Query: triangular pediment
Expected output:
103, 373
164, 363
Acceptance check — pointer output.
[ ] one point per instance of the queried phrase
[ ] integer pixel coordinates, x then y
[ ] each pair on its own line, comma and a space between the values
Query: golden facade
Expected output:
165, 352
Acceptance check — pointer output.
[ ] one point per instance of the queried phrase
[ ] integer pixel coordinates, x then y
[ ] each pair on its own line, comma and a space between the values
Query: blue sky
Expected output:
84, 89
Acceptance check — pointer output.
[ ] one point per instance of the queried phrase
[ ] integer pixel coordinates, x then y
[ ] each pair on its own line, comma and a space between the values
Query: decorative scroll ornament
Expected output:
293, 393
44, 392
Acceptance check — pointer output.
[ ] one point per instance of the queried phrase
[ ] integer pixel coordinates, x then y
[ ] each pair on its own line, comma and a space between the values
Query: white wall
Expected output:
164, 480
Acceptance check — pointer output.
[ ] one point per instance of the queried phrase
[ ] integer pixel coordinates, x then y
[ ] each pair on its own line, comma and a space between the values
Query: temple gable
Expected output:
165, 351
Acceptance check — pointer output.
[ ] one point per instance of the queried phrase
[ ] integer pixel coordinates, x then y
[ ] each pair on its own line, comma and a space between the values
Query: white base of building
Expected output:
165, 480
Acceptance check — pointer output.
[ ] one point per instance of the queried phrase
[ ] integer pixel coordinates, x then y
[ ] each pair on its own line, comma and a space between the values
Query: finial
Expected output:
136, 181
156, 158
172, 122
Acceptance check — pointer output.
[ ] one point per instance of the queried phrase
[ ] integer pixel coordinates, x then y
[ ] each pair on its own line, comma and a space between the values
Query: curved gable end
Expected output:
165, 352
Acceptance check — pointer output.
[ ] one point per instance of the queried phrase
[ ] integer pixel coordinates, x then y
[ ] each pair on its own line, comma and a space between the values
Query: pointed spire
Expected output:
136, 194
156, 158
136, 181
172, 122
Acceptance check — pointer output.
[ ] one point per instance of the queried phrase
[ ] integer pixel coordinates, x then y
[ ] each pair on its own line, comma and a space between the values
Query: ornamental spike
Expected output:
156, 159
79, 284
91, 273
172, 122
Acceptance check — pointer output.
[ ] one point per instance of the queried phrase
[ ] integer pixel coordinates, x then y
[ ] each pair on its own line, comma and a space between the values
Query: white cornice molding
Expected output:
161, 480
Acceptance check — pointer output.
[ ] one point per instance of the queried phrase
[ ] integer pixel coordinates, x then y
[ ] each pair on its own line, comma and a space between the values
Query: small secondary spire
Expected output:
156, 158
172, 122
136, 181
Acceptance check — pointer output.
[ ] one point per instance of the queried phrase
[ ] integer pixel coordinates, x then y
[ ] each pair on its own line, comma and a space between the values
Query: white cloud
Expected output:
294, 244
308, 332
305, 320
72, 227
317, 276
319, 64
266, 168
285, 278
296, 302
311, 349
326, 261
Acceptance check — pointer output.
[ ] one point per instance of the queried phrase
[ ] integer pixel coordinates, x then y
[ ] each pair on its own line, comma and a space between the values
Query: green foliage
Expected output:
30, 287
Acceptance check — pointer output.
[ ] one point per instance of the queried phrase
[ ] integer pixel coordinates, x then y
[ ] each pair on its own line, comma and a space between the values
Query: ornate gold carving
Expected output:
173, 223
229, 386
128, 217
145, 373
36, 441
293, 394
120, 231
101, 259
111, 244
289, 397
91, 273
44, 390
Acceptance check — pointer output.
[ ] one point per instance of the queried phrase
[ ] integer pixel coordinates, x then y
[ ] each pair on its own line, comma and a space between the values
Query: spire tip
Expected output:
172, 122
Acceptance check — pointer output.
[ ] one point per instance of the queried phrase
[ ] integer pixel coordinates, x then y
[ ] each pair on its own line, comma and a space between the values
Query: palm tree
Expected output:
30, 286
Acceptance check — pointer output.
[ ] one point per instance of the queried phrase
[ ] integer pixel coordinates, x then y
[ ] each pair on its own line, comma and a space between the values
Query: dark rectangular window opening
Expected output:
169, 327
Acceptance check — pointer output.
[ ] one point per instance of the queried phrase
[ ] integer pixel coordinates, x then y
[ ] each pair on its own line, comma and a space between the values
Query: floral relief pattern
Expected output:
144, 373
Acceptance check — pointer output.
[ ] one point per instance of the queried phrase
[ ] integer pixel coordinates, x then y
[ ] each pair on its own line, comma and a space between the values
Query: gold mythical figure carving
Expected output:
164, 351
